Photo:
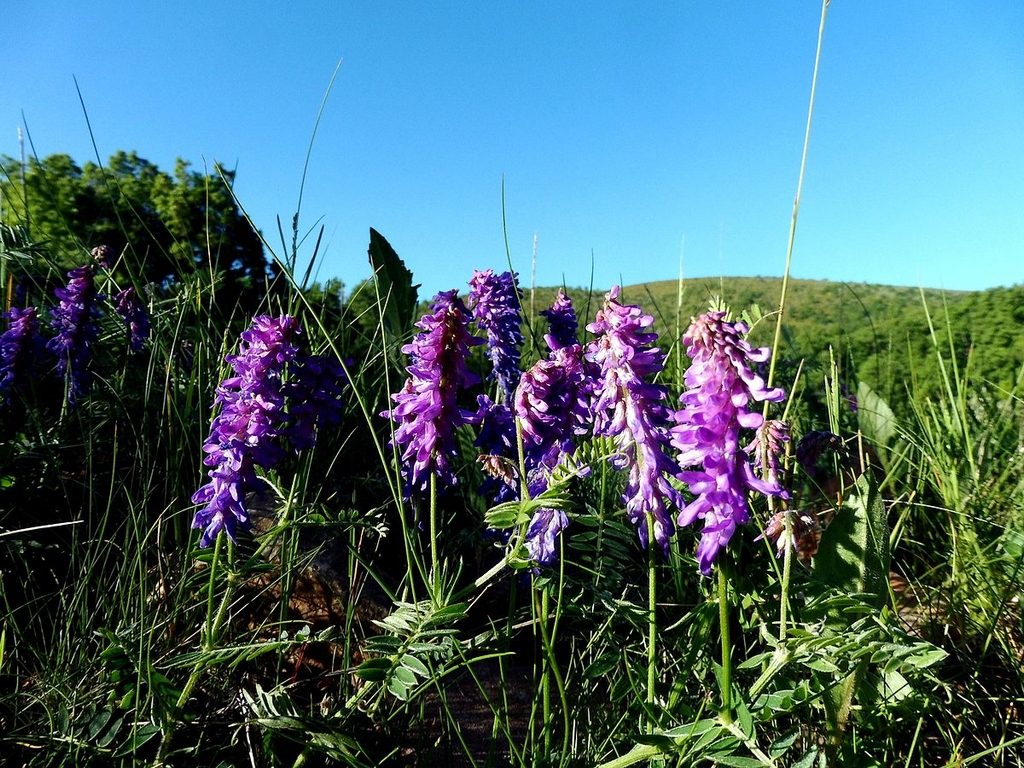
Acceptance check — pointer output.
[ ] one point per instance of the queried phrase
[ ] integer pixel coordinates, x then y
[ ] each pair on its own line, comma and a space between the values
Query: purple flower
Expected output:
426, 412
630, 410
720, 384
499, 452
552, 403
20, 347
130, 309
74, 319
562, 323
542, 535
767, 449
245, 433
224, 496
314, 396
104, 255
497, 435
496, 308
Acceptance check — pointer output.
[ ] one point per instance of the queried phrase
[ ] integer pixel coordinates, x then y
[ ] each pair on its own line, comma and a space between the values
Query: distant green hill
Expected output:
879, 334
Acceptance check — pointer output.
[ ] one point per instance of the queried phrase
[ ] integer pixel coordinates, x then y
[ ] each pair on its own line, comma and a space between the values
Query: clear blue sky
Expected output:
621, 131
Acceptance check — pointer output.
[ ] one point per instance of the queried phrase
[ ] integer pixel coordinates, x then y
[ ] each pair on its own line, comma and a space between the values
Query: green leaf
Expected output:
142, 735
807, 761
923, 659
755, 661
745, 719
602, 666
853, 555
502, 516
737, 762
417, 666
424, 648
694, 729
397, 294
110, 734
783, 743
399, 689
894, 686
874, 416
383, 644
821, 664
396, 623
779, 701
447, 614
97, 722
374, 670
63, 720
405, 676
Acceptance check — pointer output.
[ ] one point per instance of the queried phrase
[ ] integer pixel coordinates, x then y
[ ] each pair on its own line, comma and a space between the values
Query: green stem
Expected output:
652, 624
562, 696
547, 663
550, 672
787, 572
638, 754
723, 622
210, 589
435, 574
213, 628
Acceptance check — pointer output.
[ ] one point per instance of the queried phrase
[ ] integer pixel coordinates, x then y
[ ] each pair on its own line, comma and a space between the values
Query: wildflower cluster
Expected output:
813, 446
498, 452
258, 409
131, 311
314, 393
630, 409
553, 405
20, 347
562, 322
74, 318
494, 300
542, 535
804, 528
605, 388
426, 412
104, 256
720, 385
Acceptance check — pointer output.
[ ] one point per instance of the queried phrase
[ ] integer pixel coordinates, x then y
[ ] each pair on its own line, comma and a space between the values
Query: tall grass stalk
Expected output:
725, 680
796, 199
777, 338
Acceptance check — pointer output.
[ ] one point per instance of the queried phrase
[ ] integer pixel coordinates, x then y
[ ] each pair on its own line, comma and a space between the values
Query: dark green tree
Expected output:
165, 225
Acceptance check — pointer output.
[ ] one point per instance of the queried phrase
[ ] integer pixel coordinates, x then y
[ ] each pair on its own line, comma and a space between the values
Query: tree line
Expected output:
164, 223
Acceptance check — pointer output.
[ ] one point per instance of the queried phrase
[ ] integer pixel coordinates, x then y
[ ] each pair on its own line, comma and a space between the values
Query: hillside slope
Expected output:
878, 333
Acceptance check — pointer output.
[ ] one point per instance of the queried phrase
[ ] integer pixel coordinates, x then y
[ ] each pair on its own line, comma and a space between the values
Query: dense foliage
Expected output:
163, 224
504, 527
269, 522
